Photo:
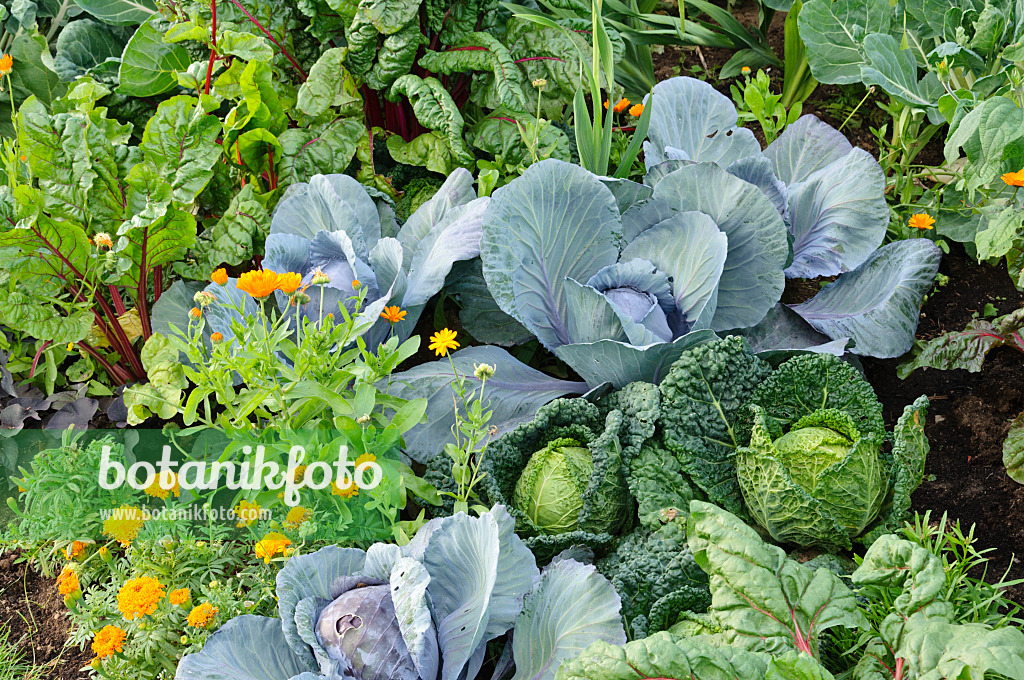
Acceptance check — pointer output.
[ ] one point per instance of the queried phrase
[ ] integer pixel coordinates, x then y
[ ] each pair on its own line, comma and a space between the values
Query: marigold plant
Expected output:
124, 524
108, 641
272, 544
139, 597
67, 581
202, 615
179, 597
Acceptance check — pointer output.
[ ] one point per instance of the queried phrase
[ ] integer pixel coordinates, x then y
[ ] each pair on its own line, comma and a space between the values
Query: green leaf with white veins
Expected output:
895, 71
763, 600
119, 11
180, 142
833, 33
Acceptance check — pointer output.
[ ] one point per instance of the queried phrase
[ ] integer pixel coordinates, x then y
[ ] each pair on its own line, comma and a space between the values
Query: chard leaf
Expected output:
434, 109
180, 143
149, 64
431, 150
1013, 450
233, 239
556, 221
228, 653
161, 395
878, 304
968, 348
310, 152
329, 86
763, 600
570, 608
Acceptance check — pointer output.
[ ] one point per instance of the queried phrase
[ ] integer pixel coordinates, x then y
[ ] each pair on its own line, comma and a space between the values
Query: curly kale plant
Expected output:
799, 448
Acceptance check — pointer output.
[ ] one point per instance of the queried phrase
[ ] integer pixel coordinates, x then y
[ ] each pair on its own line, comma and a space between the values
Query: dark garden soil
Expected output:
968, 418
33, 609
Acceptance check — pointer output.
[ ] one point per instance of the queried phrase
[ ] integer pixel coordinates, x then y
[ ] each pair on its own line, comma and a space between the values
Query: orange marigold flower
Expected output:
345, 490
108, 641
139, 597
103, 240
1014, 179
636, 110
289, 282
202, 616
67, 582
124, 524
247, 513
296, 517
259, 283
179, 597
6, 64
220, 276
76, 549
922, 221
217, 337
195, 312
157, 490
272, 544
393, 314
442, 341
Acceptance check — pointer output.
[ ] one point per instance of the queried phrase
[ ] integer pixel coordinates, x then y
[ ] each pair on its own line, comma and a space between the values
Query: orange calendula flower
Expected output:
289, 282
220, 276
296, 517
636, 110
67, 581
108, 641
6, 64
103, 240
76, 549
442, 341
272, 544
356, 284
179, 597
745, 70
124, 524
345, 489
922, 221
139, 597
217, 337
259, 283
202, 616
247, 513
157, 490
393, 314
1014, 179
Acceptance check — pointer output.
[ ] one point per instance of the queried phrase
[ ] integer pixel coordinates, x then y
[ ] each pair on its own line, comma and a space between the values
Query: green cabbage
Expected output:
550, 490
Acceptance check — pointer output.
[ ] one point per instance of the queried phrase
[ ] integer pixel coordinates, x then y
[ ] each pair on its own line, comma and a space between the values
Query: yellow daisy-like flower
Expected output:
108, 641
347, 490
393, 314
156, 489
139, 597
1014, 179
76, 549
296, 517
922, 221
636, 110
259, 283
365, 458
289, 282
124, 524
443, 341
179, 597
67, 581
272, 544
220, 276
247, 513
300, 474
202, 616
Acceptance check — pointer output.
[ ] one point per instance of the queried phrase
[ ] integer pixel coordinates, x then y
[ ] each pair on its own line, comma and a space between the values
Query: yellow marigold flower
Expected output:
202, 616
217, 337
393, 314
636, 110
179, 597
745, 70
76, 549
289, 282
272, 544
259, 283
442, 341
219, 276
103, 240
156, 490
139, 597
108, 641
300, 474
195, 312
247, 513
124, 524
356, 284
296, 517
67, 582
1014, 179
922, 221
347, 490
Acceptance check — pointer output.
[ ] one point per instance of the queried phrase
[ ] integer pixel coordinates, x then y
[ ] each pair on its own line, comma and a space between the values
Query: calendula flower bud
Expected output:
299, 298
483, 371
362, 420
319, 278
217, 337
539, 83
204, 298
195, 312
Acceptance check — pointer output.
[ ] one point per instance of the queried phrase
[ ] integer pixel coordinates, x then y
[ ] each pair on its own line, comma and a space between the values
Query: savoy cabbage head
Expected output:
425, 611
